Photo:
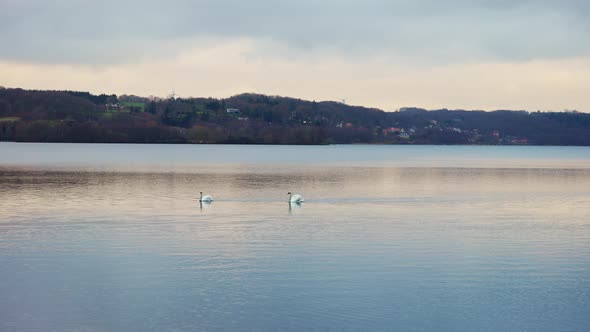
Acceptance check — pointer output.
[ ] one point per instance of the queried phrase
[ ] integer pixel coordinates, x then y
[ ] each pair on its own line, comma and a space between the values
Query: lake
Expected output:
97, 237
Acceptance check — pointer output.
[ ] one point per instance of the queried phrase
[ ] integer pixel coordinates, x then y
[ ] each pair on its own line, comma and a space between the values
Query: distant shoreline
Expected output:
326, 144
81, 117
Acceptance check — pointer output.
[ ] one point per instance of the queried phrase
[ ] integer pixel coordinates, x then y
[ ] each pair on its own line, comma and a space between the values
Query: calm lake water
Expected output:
112, 238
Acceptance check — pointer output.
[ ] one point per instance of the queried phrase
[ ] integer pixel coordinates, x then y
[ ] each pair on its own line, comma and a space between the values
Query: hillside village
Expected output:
71, 116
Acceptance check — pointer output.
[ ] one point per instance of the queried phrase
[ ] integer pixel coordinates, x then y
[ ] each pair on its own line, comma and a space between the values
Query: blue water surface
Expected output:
100, 237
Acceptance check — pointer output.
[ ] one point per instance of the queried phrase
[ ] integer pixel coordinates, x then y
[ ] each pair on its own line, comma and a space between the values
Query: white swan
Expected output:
297, 199
206, 198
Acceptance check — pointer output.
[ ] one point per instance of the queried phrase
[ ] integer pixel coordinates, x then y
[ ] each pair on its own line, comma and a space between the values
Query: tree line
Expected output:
73, 116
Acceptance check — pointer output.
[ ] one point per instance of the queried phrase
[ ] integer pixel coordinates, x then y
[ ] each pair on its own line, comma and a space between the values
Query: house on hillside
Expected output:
391, 130
521, 141
233, 111
125, 107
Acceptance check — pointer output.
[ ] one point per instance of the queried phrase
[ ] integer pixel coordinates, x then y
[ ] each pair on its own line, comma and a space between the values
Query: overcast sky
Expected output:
472, 54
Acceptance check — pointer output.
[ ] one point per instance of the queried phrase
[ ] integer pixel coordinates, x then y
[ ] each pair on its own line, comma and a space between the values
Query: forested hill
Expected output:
70, 116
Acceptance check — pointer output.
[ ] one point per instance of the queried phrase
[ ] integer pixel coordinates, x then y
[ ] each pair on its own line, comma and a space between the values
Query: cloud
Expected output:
224, 69
473, 54
111, 32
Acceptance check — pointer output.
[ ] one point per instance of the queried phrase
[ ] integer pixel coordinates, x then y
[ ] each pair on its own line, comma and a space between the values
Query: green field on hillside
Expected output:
10, 119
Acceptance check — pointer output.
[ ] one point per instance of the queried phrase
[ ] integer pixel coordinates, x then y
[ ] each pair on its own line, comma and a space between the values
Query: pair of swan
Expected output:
297, 199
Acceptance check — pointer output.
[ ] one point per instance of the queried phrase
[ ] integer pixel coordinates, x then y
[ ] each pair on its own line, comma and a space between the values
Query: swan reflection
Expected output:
294, 206
204, 204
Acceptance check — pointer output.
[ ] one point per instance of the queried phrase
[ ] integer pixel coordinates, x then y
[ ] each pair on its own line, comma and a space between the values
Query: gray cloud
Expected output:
109, 31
